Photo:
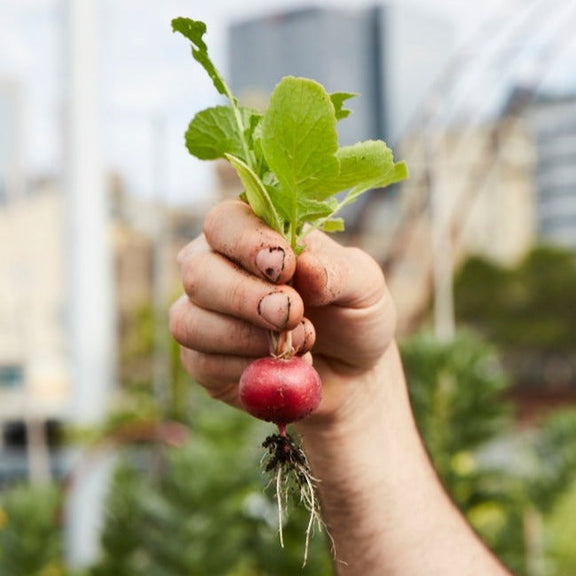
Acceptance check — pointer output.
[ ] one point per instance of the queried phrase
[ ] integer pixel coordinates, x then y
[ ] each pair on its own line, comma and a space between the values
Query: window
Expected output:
11, 376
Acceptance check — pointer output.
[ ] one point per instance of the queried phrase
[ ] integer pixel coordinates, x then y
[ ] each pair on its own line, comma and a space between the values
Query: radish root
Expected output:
289, 466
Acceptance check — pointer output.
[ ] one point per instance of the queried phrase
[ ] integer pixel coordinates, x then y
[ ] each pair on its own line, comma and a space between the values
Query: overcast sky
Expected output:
147, 75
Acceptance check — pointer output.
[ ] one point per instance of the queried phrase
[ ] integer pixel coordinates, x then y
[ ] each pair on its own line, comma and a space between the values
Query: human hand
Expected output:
235, 279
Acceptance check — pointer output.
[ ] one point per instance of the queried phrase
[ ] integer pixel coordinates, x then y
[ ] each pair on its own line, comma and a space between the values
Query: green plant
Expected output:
31, 540
527, 310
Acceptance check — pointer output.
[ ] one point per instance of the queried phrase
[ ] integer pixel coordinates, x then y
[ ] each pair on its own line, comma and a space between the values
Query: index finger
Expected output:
232, 229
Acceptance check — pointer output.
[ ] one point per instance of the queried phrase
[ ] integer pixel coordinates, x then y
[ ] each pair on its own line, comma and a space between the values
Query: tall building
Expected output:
11, 139
388, 55
553, 122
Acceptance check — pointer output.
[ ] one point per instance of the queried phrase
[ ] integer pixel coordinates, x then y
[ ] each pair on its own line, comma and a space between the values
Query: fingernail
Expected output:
275, 309
270, 262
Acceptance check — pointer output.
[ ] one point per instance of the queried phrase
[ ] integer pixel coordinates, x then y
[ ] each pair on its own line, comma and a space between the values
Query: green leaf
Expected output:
300, 142
397, 173
255, 142
194, 30
314, 210
252, 120
256, 194
338, 99
333, 225
364, 163
213, 132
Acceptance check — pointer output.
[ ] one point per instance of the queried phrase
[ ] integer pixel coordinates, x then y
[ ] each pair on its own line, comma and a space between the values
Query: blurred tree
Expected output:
559, 530
528, 311
30, 535
203, 508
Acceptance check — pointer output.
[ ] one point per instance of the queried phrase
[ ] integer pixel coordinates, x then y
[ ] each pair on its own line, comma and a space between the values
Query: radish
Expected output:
280, 390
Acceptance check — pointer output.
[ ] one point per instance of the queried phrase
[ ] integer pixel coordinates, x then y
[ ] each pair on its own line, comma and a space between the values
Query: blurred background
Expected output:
111, 461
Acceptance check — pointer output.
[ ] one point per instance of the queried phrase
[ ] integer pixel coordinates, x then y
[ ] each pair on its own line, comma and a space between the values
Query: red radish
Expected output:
280, 390
283, 389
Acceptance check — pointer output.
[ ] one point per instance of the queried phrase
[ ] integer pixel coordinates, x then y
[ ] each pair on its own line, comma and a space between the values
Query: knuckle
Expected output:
209, 371
218, 215
225, 393
198, 366
182, 324
192, 274
211, 220
175, 320
192, 249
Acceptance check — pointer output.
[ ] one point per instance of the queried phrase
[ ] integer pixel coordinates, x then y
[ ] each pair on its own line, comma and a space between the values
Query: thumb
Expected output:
328, 273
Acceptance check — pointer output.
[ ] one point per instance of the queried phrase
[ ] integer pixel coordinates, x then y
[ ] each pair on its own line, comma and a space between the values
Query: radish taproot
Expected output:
280, 390
297, 179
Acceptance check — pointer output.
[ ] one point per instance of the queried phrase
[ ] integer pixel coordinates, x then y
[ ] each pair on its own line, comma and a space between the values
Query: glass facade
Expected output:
554, 124
389, 56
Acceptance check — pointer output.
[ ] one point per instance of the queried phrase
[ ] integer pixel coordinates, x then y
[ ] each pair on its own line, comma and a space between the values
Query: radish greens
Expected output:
288, 158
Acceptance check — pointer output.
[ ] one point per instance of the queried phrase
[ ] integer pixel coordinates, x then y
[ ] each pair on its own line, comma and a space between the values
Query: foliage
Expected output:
527, 310
559, 530
555, 449
30, 535
287, 158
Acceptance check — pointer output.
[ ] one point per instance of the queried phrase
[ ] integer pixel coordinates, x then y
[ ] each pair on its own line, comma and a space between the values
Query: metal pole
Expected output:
444, 323
161, 361
90, 263
38, 452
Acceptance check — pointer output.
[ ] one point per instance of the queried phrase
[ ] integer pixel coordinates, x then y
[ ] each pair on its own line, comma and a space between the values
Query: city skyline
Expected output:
147, 77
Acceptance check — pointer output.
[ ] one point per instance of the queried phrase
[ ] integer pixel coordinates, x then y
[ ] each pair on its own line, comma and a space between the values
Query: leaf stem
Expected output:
241, 128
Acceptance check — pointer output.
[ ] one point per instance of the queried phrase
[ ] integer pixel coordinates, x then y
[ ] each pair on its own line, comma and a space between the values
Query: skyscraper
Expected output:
389, 55
553, 121
11, 138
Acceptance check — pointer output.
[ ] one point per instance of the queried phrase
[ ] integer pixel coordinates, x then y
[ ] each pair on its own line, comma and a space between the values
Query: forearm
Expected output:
381, 500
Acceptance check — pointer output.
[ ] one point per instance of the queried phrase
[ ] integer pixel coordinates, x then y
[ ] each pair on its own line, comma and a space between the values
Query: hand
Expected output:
235, 279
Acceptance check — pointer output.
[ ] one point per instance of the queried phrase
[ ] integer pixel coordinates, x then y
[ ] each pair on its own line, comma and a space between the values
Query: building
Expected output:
34, 364
553, 124
11, 140
389, 55
35, 351
482, 176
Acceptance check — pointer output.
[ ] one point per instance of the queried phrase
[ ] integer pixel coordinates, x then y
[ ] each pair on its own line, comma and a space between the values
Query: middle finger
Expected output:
213, 282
